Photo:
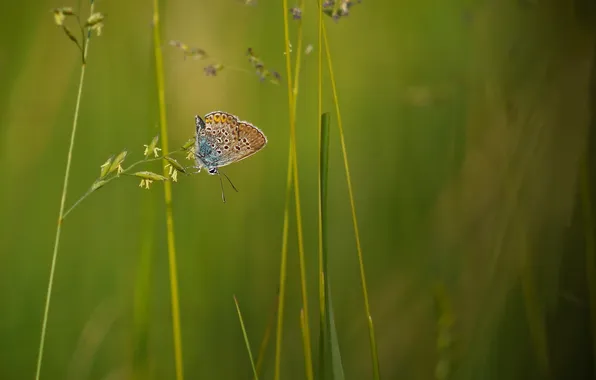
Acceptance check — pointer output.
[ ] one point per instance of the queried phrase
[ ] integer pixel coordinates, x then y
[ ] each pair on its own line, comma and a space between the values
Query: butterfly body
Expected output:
222, 139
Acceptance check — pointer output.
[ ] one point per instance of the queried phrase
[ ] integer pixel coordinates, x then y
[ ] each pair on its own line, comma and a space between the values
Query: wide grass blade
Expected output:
330, 365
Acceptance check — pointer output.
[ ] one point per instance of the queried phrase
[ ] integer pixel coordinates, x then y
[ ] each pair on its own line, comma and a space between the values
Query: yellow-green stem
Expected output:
319, 113
159, 72
371, 330
46, 311
292, 95
283, 268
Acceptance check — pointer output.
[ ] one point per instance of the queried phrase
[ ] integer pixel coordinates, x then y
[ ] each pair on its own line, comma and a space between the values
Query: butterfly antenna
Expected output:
223, 196
228, 178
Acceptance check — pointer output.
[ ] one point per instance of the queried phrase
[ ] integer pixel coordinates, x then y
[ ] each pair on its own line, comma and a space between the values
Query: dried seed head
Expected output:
211, 70
95, 22
61, 13
276, 77
59, 17
95, 19
296, 13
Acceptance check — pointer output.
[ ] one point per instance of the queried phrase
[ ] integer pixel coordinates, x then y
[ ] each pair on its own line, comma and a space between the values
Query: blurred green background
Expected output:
465, 126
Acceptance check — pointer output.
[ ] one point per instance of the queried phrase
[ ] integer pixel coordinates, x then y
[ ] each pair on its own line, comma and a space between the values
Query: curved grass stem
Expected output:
62, 205
125, 171
159, 74
371, 330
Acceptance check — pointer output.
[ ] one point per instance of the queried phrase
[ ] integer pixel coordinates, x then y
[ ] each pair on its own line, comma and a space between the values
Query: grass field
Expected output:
437, 225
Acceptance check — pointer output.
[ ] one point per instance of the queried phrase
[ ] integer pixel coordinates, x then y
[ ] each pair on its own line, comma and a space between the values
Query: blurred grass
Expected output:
427, 147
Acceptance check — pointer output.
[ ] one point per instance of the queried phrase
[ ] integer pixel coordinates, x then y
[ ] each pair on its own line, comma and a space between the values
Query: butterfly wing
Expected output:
205, 144
224, 139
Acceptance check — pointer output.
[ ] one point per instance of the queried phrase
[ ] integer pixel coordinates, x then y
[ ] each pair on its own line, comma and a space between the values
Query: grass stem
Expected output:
159, 72
75, 121
371, 330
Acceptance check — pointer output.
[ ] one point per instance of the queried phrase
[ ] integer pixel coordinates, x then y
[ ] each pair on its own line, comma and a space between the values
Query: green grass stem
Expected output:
246, 341
283, 269
371, 329
75, 121
159, 72
293, 179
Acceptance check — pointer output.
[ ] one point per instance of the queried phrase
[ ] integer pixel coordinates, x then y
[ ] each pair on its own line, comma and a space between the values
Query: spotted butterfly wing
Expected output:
222, 139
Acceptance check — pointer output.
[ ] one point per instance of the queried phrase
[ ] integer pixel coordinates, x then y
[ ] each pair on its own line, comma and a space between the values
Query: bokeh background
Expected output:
466, 123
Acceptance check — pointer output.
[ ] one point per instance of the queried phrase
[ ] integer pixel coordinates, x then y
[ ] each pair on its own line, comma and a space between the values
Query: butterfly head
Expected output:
213, 171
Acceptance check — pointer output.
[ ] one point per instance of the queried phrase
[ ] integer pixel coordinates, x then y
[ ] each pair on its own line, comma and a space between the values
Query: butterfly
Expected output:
222, 139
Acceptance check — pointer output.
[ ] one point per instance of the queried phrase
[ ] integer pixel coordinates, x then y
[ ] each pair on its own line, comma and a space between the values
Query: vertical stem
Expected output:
283, 269
168, 195
292, 95
46, 311
371, 329
323, 334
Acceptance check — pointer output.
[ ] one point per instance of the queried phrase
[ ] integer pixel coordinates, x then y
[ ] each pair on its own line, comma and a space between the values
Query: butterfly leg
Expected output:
223, 196
228, 178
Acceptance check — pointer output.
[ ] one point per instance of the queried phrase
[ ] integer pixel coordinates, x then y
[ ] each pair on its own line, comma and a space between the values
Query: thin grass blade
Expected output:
252, 362
371, 328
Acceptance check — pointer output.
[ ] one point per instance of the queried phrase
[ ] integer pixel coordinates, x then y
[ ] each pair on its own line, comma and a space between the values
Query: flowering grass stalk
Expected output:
94, 22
